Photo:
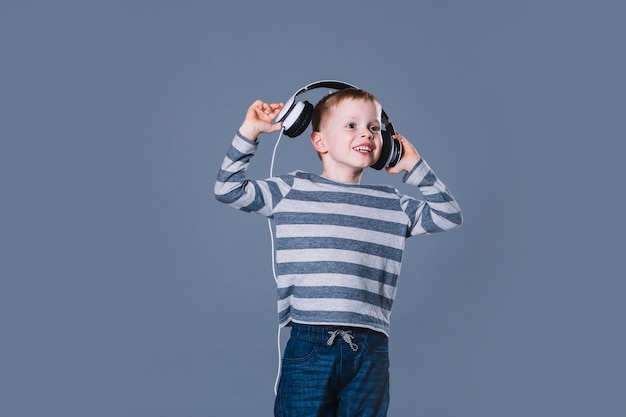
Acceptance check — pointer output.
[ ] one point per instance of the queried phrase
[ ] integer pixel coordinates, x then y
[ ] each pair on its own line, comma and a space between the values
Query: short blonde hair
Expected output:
326, 104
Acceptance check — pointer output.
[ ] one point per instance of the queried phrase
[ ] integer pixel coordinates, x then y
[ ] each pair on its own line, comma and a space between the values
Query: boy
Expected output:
339, 248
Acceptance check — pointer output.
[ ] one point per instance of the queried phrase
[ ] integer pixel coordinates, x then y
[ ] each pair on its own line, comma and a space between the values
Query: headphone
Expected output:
296, 116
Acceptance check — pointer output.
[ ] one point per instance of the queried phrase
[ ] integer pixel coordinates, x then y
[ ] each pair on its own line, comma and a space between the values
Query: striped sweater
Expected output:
338, 246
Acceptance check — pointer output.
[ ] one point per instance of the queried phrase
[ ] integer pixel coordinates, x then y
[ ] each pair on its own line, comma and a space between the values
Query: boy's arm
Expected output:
439, 211
232, 187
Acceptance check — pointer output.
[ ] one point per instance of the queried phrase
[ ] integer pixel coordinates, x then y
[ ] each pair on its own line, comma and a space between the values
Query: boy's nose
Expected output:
367, 133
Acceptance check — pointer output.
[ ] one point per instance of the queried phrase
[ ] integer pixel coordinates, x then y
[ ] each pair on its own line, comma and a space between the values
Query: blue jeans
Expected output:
334, 372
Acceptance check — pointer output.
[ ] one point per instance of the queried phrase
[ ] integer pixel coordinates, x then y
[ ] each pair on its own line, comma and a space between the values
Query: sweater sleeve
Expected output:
439, 211
233, 188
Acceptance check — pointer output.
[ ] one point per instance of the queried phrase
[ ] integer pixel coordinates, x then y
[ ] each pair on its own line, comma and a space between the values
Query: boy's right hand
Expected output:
259, 119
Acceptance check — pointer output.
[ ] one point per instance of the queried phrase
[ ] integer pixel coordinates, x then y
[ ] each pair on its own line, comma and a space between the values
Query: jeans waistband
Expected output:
321, 334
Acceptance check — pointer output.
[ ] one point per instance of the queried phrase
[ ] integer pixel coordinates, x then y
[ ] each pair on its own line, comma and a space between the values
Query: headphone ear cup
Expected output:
298, 119
396, 153
385, 151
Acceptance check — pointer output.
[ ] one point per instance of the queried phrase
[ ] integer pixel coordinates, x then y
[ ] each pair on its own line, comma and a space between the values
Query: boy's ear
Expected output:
318, 142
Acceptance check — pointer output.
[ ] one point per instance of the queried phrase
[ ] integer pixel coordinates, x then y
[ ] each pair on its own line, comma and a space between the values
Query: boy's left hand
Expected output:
409, 158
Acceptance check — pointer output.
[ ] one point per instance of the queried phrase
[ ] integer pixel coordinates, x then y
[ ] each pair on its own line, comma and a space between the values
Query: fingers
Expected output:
259, 119
273, 109
266, 111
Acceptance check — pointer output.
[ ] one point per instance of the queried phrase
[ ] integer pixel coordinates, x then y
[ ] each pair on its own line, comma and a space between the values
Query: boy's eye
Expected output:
374, 128
351, 125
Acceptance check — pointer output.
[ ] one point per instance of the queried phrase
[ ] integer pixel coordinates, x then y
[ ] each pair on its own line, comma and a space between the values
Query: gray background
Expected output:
128, 290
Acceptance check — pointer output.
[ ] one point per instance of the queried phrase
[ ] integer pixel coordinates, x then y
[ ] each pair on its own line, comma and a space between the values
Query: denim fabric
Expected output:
342, 380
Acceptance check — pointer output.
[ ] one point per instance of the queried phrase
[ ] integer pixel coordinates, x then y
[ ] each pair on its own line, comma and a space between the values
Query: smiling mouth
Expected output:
363, 149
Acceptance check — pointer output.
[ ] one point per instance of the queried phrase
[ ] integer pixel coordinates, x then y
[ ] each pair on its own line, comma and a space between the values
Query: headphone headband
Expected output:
334, 84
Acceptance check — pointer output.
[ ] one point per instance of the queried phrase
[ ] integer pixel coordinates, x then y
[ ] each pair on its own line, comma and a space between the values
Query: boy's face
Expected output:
349, 138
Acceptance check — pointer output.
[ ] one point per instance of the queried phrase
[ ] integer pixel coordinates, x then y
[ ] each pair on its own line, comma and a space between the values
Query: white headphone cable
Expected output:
269, 220
269, 223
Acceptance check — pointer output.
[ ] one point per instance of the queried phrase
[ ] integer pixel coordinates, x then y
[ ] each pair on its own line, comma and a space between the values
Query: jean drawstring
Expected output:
347, 337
